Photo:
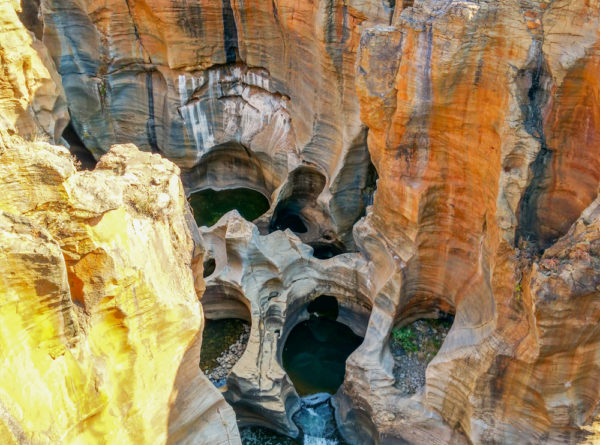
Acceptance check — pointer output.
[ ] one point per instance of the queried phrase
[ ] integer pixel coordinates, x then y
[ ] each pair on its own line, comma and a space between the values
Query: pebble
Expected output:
228, 359
410, 367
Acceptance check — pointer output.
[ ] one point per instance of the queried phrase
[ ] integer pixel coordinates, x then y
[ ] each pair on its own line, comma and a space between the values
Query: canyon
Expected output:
399, 199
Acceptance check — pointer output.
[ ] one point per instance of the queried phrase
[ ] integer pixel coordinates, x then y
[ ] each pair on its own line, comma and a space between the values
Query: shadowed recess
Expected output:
217, 337
288, 217
209, 205
315, 353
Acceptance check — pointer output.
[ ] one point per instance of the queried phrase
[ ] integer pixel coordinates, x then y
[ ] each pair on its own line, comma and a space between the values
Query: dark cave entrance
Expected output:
315, 351
78, 148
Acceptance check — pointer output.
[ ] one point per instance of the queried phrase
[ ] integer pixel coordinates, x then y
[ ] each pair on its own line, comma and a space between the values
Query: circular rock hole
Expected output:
209, 267
315, 352
414, 346
210, 205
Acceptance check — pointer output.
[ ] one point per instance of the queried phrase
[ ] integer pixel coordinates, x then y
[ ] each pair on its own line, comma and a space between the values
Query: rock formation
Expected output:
32, 100
100, 337
478, 153
269, 281
214, 84
479, 119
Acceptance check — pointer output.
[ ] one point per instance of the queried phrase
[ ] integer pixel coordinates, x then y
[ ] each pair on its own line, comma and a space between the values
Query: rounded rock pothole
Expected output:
413, 346
210, 205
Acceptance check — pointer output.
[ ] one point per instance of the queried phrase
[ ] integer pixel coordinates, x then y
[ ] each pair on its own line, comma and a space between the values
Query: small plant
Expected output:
102, 89
518, 288
405, 337
518, 291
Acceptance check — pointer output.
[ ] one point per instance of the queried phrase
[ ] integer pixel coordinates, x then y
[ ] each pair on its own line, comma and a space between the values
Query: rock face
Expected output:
32, 101
482, 162
215, 84
100, 336
482, 122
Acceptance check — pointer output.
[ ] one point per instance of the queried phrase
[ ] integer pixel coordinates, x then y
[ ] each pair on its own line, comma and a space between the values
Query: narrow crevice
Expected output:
78, 148
150, 123
137, 34
230, 33
534, 82
368, 192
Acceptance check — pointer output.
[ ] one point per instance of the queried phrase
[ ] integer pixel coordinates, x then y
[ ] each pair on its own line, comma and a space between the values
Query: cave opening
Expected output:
413, 346
325, 251
288, 216
209, 205
324, 306
296, 208
315, 351
223, 343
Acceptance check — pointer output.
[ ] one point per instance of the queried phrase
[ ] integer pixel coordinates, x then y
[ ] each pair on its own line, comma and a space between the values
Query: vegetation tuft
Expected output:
405, 337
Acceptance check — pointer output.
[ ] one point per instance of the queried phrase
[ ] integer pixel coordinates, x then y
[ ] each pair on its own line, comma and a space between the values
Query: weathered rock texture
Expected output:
32, 101
269, 281
482, 120
100, 320
195, 79
483, 127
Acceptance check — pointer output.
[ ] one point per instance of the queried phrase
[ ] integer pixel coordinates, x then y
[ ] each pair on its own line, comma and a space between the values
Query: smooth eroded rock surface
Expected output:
100, 319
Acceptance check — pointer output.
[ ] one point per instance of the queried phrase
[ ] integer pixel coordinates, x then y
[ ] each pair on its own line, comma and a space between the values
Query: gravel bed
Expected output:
228, 358
421, 342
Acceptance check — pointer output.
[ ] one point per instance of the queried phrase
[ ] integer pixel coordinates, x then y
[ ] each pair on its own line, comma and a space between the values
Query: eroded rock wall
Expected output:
269, 281
101, 323
482, 162
188, 78
32, 101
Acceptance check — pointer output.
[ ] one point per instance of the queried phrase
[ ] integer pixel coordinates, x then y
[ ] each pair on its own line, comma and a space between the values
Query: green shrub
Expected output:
405, 337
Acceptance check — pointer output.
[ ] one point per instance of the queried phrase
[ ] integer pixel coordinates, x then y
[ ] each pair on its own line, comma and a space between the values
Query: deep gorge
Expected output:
319, 222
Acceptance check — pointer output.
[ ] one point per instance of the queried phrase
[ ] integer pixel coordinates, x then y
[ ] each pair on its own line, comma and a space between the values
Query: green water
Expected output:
218, 335
209, 205
315, 353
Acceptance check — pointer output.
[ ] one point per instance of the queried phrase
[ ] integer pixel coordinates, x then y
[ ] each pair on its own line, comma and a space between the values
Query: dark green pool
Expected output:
209, 205
315, 353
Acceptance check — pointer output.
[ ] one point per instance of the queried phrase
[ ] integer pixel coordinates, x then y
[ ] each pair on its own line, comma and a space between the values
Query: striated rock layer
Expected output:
481, 120
217, 84
99, 315
482, 127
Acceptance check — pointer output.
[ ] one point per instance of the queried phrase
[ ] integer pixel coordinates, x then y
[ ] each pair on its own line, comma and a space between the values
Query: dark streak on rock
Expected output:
534, 81
150, 124
229, 32
191, 19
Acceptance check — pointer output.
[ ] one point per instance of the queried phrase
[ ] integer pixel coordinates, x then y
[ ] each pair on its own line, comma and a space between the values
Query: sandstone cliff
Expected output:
483, 128
101, 323
197, 80
32, 100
